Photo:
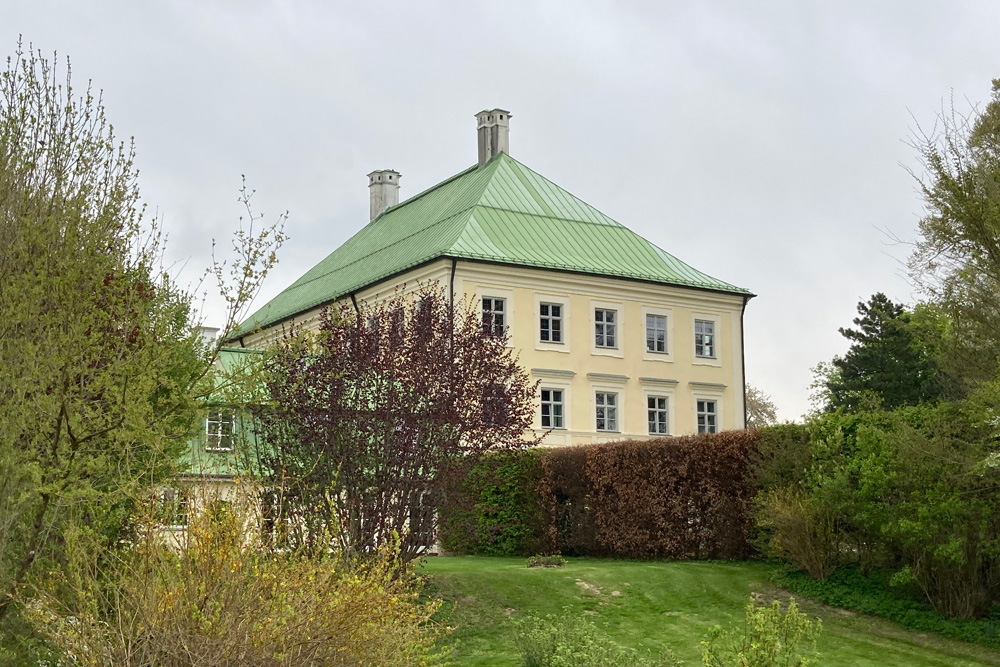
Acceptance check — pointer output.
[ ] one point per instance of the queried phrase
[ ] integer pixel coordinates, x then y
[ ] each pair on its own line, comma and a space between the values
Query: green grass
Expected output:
658, 604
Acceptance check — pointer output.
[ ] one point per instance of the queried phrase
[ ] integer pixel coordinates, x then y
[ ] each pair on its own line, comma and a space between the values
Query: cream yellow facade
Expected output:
576, 366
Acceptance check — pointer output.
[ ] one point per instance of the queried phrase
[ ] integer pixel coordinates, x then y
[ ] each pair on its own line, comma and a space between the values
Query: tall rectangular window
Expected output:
607, 411
494, 405
552, 408
173, 507
550, 329
657, 413
704, 338
656, 333
605, 327
707, 418
220, 427
494, 316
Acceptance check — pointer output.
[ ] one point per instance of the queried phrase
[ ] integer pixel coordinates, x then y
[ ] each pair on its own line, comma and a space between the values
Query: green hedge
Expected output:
688, 497
494, 510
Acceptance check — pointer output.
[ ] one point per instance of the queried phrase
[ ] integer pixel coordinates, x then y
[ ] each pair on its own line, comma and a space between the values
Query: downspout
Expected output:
358, 310
451, 305
451, 289
743, 358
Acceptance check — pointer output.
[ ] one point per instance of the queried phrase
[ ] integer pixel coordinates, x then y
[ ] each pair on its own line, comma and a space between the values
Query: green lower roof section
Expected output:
201, 462
500, 212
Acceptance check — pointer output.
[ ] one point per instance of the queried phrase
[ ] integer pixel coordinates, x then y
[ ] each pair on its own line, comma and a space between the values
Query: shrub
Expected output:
874, 594
494, 510
219, 599
782, 457
568, 641
769, 637
798, 531
915, 490
546, 561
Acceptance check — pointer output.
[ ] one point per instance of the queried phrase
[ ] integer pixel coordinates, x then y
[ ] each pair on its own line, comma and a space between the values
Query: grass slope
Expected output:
649, 605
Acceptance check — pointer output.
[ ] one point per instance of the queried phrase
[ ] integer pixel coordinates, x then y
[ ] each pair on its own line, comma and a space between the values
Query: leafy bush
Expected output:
546, 561
218, 598
568, 641
915, 490
782, 457
769, 637
798, 530
494, 510
875, 594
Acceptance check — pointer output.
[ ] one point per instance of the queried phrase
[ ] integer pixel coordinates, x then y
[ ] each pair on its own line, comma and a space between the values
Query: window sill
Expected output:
551, 347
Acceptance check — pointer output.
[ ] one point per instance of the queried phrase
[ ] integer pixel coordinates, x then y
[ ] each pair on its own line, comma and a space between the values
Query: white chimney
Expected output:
493, 128
383, 187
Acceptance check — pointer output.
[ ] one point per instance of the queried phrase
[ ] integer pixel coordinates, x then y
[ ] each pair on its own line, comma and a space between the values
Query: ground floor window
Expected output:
173, 507
707, 417
552, 408
607, 411
657, 415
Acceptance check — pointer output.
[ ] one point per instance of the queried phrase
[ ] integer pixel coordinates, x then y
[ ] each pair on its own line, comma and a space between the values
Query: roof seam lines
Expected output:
381, 248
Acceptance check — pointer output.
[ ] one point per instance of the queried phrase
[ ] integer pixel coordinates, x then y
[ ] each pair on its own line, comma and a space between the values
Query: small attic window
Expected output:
390, 178
501, 116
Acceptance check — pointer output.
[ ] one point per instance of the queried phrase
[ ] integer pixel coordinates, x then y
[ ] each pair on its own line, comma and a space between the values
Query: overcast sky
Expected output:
763, 143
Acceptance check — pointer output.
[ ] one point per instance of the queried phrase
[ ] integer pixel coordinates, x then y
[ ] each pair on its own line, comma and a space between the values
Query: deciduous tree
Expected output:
957, 258
761, 410
102, 362
368, 414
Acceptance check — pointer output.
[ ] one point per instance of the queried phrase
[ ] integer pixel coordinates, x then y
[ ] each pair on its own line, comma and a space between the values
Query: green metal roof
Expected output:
500, 212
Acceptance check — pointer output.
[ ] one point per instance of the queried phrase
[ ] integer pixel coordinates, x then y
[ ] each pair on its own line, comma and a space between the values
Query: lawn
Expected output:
648, 605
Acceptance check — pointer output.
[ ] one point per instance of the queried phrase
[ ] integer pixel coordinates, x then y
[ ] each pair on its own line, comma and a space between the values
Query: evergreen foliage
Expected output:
887, 365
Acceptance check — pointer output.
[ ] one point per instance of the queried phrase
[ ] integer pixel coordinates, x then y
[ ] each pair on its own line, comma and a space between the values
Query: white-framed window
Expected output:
606, 403
494, 405
704, 338
656, 333
605, 328
494, 316
658, 415
174, 505
550, 322
708, 417
397, 327
220, 429
553, 408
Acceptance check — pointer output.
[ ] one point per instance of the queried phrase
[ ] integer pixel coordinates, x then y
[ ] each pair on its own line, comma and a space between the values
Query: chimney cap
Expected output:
383, 176
491, 117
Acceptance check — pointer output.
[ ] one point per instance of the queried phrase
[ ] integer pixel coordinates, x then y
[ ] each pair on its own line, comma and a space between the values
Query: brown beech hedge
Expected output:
688, 497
